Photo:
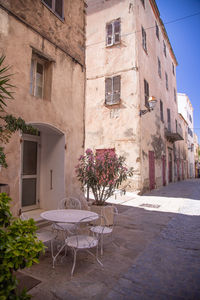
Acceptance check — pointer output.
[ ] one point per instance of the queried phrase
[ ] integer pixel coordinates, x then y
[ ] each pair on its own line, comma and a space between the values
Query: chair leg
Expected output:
54, 257
101, 244
74, 262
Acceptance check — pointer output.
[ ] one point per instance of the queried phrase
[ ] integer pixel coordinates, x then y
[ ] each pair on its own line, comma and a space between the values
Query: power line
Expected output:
151, 27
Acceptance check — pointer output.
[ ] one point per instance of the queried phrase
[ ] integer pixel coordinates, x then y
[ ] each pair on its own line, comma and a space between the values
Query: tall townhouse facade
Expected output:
196, 156
129, 60
186, 110
44, 43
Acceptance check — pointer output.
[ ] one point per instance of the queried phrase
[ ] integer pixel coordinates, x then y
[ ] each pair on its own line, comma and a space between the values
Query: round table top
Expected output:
68, 215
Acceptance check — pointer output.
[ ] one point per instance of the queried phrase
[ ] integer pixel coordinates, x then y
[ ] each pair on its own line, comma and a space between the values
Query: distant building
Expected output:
44, 43
196, 156
186, 110
129, 60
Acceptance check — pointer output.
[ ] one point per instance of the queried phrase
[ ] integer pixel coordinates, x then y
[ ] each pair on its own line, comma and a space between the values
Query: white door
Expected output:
30, 172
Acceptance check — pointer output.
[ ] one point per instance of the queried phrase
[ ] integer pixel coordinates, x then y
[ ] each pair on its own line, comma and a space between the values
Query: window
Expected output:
161, 111
190, 118
143, 3
166, 81
113, 32
175, 95
146, 93
56, 6
157, 31
112, 90
173, 71
159, 67
168, 120
40, 77
190, 132
144, 40
164, 49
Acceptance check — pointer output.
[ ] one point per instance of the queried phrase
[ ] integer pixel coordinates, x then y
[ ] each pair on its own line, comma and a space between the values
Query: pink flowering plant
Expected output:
102, 172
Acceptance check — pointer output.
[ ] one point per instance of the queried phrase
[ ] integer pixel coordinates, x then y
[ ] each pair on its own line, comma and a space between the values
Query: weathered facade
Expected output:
44, 44
185, 109
128, 59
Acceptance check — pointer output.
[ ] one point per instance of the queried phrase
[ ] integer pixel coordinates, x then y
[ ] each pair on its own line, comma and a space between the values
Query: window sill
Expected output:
111, 105
113, 45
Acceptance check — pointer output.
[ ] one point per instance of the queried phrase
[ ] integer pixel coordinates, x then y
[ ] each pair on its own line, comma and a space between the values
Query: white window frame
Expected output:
112, 36
36, 60
112, 102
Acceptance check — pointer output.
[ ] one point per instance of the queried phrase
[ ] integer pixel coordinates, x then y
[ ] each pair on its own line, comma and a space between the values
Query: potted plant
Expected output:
103, 172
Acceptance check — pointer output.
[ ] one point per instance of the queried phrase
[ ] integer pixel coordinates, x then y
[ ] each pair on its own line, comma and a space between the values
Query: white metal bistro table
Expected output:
68, 216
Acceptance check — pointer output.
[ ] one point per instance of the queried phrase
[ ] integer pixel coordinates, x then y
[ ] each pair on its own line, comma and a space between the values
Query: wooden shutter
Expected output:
144, 44
59, 7
109, 32
108, 90
146, 93
168, 119
116, 89
117, 31
161, 111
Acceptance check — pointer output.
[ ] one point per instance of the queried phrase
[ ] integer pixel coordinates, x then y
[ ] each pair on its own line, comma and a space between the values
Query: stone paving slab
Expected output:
155, 253
169, 268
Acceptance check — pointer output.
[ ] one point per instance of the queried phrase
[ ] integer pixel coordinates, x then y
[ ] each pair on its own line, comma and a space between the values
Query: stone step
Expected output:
35, 215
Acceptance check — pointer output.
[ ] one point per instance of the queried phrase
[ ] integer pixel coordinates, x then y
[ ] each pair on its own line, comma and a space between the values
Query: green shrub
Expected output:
19, 248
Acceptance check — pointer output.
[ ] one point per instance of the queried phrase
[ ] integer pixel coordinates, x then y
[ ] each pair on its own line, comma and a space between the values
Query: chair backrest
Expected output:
83, 229
74, 203
69, 202
107, 212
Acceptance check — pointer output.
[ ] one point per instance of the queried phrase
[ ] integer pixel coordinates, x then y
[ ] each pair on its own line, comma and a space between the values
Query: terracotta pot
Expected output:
107, 211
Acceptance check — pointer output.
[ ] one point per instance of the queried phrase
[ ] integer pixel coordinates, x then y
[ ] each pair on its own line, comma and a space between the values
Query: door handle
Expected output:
51, 179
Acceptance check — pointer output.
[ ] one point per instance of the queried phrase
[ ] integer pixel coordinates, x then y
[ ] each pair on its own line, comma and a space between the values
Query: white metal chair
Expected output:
79, 240
66, 203
103, 229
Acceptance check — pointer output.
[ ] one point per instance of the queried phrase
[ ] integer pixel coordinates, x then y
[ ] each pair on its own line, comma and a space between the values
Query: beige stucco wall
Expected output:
152, 128
65, 109
112, 126
122, 127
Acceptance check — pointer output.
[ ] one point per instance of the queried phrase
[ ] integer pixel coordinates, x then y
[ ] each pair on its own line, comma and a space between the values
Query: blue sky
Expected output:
184, 36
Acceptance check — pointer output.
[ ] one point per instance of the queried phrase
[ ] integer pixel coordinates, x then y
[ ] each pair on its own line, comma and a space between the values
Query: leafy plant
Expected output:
103, 172
19, 248
9, 124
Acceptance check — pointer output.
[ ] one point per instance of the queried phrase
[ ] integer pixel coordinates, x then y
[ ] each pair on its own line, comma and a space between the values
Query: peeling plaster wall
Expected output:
152, 128
114, 126
65, 109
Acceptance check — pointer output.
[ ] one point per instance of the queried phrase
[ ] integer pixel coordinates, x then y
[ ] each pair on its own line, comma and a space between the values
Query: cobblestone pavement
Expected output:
155, 253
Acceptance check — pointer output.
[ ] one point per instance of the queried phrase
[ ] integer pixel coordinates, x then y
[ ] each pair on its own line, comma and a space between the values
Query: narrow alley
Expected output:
155, 253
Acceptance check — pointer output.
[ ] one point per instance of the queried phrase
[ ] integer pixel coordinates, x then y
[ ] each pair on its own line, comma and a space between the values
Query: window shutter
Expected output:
146, 93
32, 77
48, 2
116, 89
39, 80
59, 7
108, 90
109, 30
116, 31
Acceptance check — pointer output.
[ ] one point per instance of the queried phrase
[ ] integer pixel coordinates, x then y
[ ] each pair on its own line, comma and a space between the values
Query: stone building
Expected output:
44, 43
129, 61
196, 156
186, 110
